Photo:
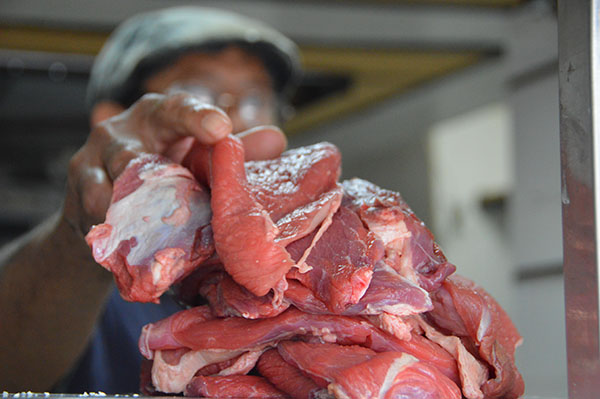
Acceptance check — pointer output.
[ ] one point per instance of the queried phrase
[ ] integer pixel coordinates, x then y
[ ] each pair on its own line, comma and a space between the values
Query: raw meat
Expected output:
356, 372
296, 178
468, 311
237, 334
472, 372
288, 378
164, 239
244, 232
410, 248
327, 290
235, 386
341, 261
388, 293
227, 298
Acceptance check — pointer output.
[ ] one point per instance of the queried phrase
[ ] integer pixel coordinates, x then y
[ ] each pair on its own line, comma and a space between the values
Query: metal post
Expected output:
579, 79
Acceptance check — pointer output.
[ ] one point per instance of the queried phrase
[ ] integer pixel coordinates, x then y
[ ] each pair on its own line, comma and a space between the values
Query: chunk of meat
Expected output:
472, 372
198, 333
227, 298
393, 375
388, 293
233, 386
468, 311
164, 239
172, 370
341, 261
298, 177
232, 333
288, 378
311, 219
423, 349
391, 293
159, 335
323, 361
410, 247
356, 372
244, 232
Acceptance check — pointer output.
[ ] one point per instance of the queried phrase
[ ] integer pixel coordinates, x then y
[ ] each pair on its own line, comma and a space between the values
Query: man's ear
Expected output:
104, 110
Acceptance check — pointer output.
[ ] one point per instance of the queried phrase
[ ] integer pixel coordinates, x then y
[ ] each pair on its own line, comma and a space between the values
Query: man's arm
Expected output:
51, 293
51, 290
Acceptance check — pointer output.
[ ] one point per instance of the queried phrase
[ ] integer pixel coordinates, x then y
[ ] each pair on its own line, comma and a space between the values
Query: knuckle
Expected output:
118, 161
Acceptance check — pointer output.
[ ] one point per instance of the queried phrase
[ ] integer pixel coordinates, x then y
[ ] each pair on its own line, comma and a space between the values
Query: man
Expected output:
51, 291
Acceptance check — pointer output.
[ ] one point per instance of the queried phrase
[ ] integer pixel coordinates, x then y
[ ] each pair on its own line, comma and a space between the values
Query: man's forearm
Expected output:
51, 293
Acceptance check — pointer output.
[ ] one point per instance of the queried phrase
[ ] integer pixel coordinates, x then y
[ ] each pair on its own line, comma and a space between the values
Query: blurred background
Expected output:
453, 103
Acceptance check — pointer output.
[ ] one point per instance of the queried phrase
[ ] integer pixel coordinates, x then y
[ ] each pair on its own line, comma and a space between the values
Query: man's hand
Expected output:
51, 290
155, 124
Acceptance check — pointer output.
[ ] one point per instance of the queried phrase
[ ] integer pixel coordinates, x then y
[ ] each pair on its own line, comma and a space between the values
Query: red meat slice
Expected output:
314, 217
288, 378
410, 246
172, 370
356, 372
191, 331
323, 360
244, 232
159, 335
472, 372
393, 375
294, 179
156, 230
468, 311
233, 386
227, 298
241, 334
342, 261
388, 293
424, 350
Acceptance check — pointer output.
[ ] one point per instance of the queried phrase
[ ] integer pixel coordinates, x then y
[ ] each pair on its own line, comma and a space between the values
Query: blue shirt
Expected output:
111, 362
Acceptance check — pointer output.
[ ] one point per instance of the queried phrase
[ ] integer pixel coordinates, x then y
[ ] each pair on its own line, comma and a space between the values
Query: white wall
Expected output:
471, 158
536, 234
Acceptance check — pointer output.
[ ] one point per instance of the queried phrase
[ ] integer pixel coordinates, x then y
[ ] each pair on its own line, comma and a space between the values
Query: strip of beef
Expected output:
322, 361
341, 261
173, 369
244, 232
187, 330
227, 298
468, 311
393, 375
248, 199
233, 386
296, 178
356, 372
159, 335
288, 378
388, 293
157, 228
410, 246
472, 372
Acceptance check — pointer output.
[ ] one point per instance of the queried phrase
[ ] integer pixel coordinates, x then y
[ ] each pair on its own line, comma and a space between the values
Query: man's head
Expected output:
234, 62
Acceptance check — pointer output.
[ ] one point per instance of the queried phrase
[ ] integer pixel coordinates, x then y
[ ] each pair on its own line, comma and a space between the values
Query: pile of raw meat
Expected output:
298, 286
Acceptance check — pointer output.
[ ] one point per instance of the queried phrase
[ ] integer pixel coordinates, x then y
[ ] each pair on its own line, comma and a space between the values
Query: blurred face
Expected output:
232, 79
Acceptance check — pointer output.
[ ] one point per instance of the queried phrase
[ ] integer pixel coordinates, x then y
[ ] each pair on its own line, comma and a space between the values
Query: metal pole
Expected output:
579, 83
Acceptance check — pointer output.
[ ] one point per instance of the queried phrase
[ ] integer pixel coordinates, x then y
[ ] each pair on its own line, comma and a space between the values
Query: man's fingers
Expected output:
89, 191
166, 119
265, 142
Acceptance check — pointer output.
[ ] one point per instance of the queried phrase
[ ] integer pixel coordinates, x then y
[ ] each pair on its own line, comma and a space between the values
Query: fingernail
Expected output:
216, 125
